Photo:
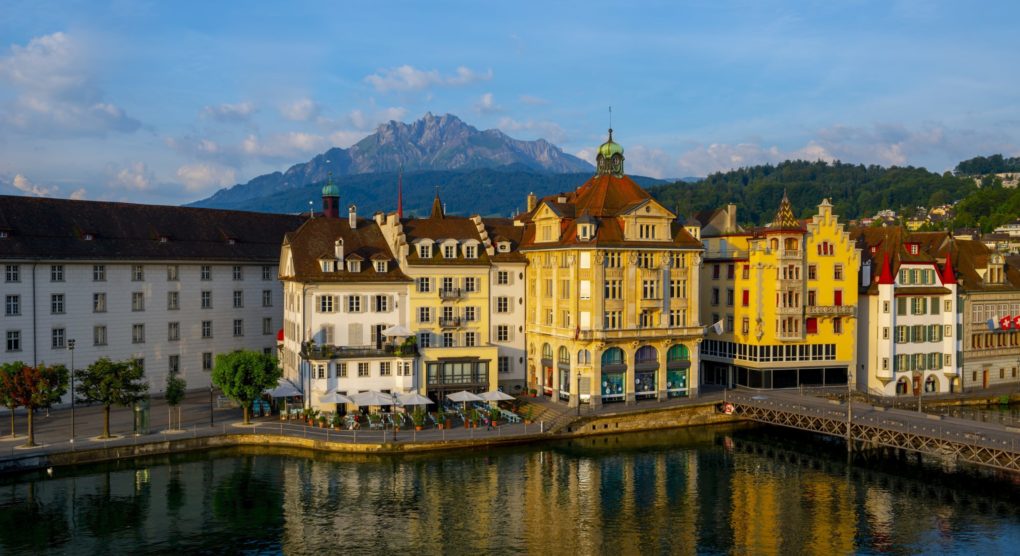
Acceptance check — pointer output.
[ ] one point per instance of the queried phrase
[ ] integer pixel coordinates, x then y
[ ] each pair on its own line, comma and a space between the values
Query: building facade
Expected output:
990, 316
612, 281
171, 287
782, 300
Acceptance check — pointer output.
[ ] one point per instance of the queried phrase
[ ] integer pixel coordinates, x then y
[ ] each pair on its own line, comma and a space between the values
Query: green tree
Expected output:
109, 382
5, 397
244, 375
175, 389
34, 388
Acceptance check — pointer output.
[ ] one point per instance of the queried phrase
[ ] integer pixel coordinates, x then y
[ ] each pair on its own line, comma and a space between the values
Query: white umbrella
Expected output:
464, 396
397, 331
413, 398
370, 398
495, 396
284, 389
334, 397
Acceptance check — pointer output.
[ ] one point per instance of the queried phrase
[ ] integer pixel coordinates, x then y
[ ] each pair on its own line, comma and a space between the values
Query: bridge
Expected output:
863, 425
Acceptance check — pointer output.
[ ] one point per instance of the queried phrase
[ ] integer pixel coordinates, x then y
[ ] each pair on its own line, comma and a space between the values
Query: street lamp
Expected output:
578, 394
70, 347
210, 404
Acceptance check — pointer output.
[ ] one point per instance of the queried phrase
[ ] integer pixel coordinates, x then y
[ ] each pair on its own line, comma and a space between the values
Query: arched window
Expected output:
931, 385
546, 351
584, 357
612, 356
774, 244
901, 385
646, 354
678, 352
564, 355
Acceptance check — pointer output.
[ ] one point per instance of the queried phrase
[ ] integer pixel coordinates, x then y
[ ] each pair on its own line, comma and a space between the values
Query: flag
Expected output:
991, 324
718, 327
1006, 322
577, 331
1016, 321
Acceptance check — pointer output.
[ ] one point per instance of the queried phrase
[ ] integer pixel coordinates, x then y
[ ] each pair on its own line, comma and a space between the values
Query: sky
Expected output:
166, 102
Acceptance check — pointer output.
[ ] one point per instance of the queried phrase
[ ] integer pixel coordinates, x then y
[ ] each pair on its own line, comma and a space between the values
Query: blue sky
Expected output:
168, 101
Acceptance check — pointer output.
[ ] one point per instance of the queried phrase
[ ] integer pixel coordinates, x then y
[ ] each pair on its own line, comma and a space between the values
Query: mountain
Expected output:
433, 143
485, 191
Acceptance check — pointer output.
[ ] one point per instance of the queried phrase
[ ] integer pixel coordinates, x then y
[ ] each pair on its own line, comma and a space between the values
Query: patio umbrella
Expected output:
495, 396
413, 398
397, 331
334, 397
284, 389
464, 396
370, 398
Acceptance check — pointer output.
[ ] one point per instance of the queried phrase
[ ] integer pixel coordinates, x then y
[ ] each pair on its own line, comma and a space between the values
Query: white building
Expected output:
343, 289
169, 286
507, 301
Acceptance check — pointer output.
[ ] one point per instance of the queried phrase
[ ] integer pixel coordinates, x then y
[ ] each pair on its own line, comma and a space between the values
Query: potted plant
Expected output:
322, 421
313, 415
418, 418
473, 417
494, 415
374, 418
528, 414
336, 421
532, 392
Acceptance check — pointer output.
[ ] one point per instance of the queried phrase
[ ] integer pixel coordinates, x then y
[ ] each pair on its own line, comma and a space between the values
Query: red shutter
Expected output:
812, 325
839, 297
746, 297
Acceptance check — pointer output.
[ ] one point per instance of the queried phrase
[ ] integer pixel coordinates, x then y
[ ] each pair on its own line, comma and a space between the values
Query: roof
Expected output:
56, 229
785, 219
316, 240
440, 227
504, 229
971, 259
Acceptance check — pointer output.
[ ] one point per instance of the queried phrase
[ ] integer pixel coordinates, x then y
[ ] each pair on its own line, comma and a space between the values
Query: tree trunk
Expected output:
13, 434
106, 421
169, 418
245, 408
31, 432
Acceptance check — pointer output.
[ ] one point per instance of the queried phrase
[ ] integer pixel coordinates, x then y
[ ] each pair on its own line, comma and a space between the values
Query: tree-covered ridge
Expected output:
988, 207
855, 190
995, 164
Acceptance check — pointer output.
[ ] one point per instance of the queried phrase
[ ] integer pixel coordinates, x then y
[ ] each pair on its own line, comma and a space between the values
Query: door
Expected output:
984, 378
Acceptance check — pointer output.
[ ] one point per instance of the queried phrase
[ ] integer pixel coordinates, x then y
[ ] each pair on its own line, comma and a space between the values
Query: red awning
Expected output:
279, 336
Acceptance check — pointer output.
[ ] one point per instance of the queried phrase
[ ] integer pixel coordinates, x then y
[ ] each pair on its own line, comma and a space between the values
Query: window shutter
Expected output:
364, 304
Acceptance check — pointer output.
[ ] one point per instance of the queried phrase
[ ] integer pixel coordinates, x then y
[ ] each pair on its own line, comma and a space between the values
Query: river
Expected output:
733, 489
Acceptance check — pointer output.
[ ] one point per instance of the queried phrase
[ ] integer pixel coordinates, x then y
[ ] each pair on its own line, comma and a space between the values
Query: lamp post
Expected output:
70, 347
578, 394
210, 404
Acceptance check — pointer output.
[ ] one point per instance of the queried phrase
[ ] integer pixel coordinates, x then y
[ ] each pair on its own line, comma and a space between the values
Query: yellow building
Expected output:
786, 298
612, 282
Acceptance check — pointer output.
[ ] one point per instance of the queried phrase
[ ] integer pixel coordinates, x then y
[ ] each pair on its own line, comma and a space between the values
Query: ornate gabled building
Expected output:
782, 300
612, 284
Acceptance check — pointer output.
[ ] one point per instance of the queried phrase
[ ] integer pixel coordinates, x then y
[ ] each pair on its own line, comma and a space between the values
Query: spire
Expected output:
437, 206
400, 193
609, 159
330, 198
785, 220
886, 275
948, 277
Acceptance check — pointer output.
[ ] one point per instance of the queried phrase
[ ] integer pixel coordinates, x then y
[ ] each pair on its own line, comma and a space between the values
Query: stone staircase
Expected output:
554, 416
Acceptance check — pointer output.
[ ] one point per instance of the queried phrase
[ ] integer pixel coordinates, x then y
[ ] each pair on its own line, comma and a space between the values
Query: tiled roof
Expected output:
970, 256
316, 239
505, 229
785, 219
42, 228
438, 228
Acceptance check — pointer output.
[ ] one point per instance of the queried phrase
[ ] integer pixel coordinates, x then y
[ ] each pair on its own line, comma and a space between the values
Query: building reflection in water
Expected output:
679, 491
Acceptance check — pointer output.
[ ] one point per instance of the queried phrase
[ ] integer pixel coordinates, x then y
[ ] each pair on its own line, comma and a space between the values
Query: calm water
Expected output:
721, 490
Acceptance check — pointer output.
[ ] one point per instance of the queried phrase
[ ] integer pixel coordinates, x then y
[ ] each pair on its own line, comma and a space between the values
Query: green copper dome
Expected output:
330, 190
610, 147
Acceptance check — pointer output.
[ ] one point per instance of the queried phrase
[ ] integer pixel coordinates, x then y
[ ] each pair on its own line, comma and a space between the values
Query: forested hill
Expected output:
995, 164
854, 190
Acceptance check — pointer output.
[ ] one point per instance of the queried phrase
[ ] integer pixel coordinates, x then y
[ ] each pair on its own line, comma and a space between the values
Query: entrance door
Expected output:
984, 378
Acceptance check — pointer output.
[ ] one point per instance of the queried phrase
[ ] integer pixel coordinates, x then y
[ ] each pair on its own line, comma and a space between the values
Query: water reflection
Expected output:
726, 490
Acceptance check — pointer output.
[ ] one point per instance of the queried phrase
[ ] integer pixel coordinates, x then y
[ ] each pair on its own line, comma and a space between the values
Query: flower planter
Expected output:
417, 427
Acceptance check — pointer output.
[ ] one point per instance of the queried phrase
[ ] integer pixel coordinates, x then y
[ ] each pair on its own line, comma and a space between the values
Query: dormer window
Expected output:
584, 232
164, 239
381, 266
450, 251
470, 252
503, 246
913, 248
87, 236
425, 251
353, 266
326, 265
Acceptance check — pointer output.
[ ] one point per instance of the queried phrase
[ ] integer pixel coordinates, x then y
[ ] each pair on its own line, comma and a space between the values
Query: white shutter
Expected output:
364, 303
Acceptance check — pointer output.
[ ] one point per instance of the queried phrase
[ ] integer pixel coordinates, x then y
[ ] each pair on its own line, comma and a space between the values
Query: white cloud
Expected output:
78, 194
542, 129
409, 78
199, 178
533, 100
56, 94
135, 176
230, 113
23, 184
487, 104
284, 145
301, 110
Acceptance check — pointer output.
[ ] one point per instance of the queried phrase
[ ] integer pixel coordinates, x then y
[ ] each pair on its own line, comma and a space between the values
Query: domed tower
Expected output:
331, 199
609, 160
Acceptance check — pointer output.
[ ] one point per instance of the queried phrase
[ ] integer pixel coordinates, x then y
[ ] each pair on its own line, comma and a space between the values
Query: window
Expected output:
947, 331
745, 298
503, 364
425, 251
449, 251
715, 272
238, 299
901, 306
207, 299
325, 303
448, 340
13, 340
207, 361
730, 271
470, 251
384, 368
502, 333
12, 273
885, 332
381, 266
502, 278
837, 298
613, 260
425, 339
137, 333
646, 260
267, 272
238, 272
57, 304
238, 327
99, 335
353, 303
471, 284
677, 317
363, 369
424, 314
837, 325
812, 272
612, 319
174, 364
885, 306
469, 339
267, 298
173, 331
502, 304
99, 273
715, 296
948, 307
811, 298
57, 273
837, 272
729, 297
613, 289
205, 272
424, 285
381, 304
12, 305
650, 289
173, 301
137, 301
172, 273
207, 329
137, 273
470, 314
341, 370
267, 325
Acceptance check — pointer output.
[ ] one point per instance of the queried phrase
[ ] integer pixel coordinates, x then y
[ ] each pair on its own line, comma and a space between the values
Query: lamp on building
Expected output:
70, 347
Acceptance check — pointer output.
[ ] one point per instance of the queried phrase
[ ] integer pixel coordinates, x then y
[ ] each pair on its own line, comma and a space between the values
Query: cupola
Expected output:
330, 199
609, 160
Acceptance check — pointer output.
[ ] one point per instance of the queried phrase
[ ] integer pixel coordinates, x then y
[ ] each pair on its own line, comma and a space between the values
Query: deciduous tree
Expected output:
244, 375
108, 383
34, 388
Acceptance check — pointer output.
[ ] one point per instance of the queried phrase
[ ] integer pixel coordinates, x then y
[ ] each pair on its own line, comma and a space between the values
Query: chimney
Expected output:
338, 250
352, 216
731, 217
532, 201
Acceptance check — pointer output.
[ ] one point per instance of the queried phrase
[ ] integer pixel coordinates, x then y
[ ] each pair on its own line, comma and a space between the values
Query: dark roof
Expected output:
504, 229
438, 228
316, 239
41, 228
970, 256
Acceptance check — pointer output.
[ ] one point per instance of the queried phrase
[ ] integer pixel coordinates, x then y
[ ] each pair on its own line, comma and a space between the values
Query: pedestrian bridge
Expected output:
864, 426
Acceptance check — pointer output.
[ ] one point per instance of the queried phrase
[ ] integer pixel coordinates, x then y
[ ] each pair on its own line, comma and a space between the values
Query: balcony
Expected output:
450, 294
789, 311
449, 322
726, 254
319, 352
790, 254
614, 273
788, 336
831, 310
643, 334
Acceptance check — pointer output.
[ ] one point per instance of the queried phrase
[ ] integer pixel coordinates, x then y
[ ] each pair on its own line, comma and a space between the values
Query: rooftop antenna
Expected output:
311, 211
